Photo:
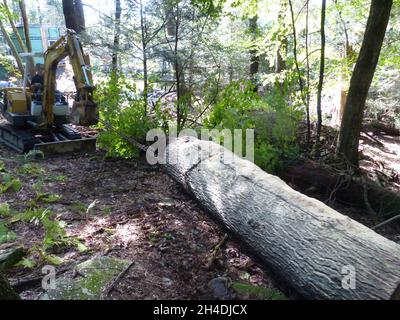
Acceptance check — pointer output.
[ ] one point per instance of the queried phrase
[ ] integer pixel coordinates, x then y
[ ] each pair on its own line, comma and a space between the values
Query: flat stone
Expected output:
220, 288
94, 276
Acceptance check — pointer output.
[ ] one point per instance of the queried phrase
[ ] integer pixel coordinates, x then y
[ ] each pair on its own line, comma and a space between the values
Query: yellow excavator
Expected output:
40, 119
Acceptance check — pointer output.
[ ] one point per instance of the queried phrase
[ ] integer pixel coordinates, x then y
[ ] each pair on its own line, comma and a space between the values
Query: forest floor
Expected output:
137, 213
140, 215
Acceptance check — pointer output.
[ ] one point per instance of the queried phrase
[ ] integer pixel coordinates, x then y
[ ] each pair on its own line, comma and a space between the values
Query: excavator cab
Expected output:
40, 119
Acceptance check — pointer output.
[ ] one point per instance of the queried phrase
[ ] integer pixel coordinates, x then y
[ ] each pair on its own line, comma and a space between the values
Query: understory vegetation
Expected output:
33, 181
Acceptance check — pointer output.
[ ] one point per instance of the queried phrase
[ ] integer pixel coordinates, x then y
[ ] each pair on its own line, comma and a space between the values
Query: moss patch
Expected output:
97, 273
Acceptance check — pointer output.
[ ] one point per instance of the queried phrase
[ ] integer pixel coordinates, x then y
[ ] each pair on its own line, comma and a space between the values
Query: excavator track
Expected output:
60, 140
17, 139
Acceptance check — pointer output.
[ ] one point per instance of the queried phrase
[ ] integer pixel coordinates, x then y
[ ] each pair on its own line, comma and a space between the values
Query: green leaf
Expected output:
10, 182
5, 234
5, 210
2, 167
34, 154
48, 197
80, 246
52, 259
31, 169
16, 185
26, 263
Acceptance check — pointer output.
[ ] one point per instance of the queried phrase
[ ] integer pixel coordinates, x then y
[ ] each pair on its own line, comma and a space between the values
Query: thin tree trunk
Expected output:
14, 28
308, 76
80, 16
361, 79
254, 57
117, 34
346, 34
25, 21
301, 85
178, 75
280, 63
144, 55
12, 47
321, 71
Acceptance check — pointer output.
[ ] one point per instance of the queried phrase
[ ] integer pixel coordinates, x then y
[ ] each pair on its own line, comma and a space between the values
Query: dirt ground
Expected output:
139, 214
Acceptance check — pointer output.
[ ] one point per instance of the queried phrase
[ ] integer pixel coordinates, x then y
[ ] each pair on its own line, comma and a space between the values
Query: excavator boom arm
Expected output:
84, 110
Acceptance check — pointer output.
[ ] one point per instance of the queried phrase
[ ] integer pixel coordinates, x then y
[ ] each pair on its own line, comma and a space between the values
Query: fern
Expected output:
33, 154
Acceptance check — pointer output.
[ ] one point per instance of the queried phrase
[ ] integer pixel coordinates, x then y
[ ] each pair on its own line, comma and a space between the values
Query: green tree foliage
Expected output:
124, 110
275, 123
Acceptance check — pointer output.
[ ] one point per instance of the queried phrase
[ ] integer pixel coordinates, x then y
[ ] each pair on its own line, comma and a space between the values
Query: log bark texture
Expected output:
307, 243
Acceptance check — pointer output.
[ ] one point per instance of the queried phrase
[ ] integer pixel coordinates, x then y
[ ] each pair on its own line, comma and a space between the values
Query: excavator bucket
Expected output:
85, 145
60, 140
84, 113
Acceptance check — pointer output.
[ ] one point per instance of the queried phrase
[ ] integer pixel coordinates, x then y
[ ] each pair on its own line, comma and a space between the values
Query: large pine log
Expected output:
307, 243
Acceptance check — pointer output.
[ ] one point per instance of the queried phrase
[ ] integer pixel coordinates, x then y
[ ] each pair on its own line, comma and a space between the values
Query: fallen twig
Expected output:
216, 249
112, 284
386, 222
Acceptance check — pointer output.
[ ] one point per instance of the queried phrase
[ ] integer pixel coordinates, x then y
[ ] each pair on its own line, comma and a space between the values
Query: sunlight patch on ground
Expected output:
390, 154
127, 233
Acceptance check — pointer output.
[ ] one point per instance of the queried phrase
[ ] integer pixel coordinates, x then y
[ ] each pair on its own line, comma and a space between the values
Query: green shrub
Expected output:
273, 120
125, 110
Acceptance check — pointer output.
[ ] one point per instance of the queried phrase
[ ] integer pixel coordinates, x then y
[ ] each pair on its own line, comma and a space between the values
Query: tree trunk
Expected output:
14, 28
308, 95
144, 55
117, 34
12, 47
361, 79
280, 62
74, 15
80, 16
321, 71
301, 84
311, 246
25, 21
254, 56
6, 292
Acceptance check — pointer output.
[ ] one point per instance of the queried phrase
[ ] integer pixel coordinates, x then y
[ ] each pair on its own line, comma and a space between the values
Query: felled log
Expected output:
311, 176
304, 241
